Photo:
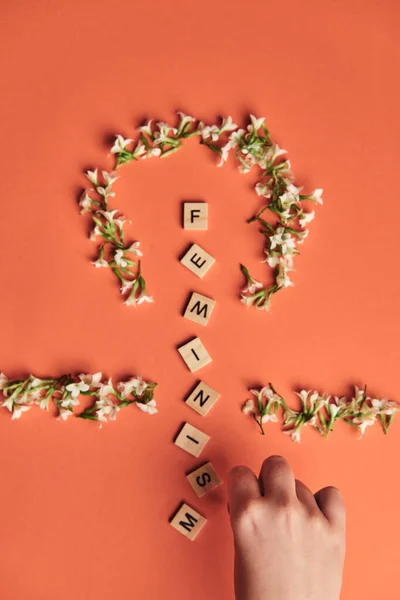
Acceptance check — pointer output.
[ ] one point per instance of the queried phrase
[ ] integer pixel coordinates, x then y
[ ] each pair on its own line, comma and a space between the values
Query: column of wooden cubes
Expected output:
201, 399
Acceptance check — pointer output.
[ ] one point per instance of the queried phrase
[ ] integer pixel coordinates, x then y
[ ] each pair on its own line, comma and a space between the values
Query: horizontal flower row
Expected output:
107, 398
320, 411
252, 147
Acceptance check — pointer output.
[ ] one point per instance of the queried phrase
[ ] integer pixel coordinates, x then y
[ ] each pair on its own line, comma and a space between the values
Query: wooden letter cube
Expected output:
194, 354
199, 309
202, 398
188, 521
195, 216
191, 439
204, 479
198, 260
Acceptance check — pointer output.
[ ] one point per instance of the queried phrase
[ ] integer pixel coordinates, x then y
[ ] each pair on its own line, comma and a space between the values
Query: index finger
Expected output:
277, 479
243, 487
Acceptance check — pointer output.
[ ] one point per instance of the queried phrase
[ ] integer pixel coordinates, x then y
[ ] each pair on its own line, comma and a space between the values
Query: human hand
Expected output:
289, 544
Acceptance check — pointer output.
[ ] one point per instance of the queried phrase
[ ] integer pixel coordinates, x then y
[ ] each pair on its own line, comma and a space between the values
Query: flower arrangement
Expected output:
251, 147
320, 411
19, 395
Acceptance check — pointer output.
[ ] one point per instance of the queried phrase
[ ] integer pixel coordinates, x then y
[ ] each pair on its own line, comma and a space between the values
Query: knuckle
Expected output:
287, 502
249, 516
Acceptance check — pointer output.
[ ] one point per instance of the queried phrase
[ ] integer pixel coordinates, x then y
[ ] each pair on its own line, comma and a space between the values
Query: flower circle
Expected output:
252, 147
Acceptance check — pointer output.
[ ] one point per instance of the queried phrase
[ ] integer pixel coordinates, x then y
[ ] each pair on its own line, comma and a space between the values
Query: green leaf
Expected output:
125, 403
87, 416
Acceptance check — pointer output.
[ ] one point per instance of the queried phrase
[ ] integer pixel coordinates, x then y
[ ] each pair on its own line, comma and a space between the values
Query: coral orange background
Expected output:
83, 511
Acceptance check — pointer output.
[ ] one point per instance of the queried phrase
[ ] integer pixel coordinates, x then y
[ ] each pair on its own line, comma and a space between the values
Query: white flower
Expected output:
283, 239
293, 190
270, 394
125, 388
147, 128
224, 154
277, 238
3, 381
35, 394
366, 416
306, 218
119, 258
359, 395
109, 178
274, 260
248, 407
131, 300
149, 408
18, 410
153, 152
165, 128
8, 403
316, 196
105, 192
85, 202
303, 395
139, 384
237, 136
164, 133
69, 401
209, 132
127, 285
106, 389
247, 300
135, 383
140, 150
262, 190
290, 196
228, 125
184, 119
120, 222
255, 124
95, 233
302, 235
384, 406
277, 151
93, 176
294, 434
64, 413
269, 417
91, 380
144, 298
120, 144
287, 200
283, 279
106, 407
363, 423
43, 403
288, 243
252, 286
248, 162
134, 249
285, 215
332, 409
100, 262
108, 214
76, 388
